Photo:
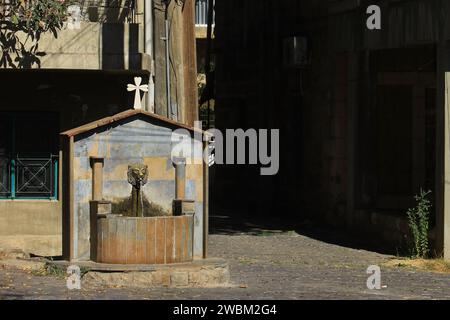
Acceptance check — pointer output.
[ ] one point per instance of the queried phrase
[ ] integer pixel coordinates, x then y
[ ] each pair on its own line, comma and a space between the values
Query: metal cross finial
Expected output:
138, 88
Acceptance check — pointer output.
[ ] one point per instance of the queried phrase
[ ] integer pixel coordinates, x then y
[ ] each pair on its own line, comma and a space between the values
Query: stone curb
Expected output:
208, 273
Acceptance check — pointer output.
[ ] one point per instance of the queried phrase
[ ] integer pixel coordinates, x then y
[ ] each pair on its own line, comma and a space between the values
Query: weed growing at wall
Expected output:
418, 220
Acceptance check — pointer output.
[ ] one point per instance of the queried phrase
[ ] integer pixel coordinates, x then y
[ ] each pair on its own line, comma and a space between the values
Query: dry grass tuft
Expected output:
434, 265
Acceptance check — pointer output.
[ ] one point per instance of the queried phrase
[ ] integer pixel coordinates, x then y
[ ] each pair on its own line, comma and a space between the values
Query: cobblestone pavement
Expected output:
282, 266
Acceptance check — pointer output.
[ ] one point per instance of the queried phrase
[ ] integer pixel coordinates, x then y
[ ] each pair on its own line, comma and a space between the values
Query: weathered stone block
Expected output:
179, 279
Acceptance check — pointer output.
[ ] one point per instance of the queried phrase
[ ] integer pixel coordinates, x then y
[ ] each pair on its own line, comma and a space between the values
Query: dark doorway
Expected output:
393, 148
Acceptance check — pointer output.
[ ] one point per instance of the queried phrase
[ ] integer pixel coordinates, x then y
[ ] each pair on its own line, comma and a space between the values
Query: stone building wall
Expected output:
327, 111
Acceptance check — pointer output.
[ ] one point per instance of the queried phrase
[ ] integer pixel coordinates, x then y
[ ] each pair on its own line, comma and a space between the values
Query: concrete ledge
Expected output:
201, 32
40, 245
198, 274
25, 265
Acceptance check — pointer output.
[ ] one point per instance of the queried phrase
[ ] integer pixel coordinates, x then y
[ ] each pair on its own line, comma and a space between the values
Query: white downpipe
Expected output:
170, 114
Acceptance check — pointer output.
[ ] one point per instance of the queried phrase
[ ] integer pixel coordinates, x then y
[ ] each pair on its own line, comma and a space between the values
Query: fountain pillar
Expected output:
180, 178
97, 178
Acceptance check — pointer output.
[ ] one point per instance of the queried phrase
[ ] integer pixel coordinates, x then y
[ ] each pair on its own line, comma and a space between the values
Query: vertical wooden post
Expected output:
190, 63
67, 196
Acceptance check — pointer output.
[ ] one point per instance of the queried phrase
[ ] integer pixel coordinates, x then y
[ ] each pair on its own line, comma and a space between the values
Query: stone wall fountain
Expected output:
139, 239
132, 214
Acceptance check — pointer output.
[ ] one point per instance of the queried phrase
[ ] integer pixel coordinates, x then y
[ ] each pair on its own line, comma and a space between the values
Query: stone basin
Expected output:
149, 240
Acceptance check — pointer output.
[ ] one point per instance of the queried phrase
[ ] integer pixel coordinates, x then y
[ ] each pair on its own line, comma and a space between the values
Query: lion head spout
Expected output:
137, 175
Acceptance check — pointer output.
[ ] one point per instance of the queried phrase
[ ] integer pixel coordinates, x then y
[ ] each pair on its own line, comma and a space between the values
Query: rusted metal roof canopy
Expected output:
124, 115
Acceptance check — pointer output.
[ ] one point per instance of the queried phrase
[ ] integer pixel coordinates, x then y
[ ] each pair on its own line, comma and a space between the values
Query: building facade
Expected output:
81, 75
361, 112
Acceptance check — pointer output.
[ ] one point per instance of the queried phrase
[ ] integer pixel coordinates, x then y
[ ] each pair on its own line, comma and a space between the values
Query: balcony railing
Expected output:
201, 13
113, 11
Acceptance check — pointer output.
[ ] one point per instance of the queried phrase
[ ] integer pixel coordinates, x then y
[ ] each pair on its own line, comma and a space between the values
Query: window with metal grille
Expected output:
201, 13
28, 156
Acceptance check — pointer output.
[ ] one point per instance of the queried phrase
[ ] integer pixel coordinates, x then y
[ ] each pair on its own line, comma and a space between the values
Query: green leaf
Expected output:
14, 19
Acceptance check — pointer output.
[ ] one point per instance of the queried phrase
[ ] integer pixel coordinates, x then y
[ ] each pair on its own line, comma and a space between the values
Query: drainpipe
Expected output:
166, 38
148, 40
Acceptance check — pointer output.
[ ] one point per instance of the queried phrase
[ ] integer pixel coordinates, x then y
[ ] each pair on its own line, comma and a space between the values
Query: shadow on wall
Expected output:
120, 46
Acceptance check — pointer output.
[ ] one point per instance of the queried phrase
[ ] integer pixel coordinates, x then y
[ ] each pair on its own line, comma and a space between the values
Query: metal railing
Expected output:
5, 177
29, 177
201, 13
